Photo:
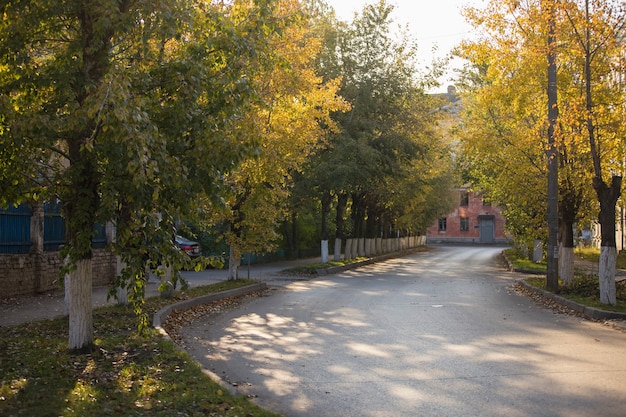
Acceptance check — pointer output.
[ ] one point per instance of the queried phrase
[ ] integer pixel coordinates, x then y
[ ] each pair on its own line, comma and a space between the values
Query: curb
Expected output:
341, 268
591, 313
160, 316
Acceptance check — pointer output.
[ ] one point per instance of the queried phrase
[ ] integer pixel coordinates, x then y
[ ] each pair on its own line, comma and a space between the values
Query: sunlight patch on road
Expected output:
368, 350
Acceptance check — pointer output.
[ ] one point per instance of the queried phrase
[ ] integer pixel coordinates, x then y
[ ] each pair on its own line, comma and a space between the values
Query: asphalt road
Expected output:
439, 333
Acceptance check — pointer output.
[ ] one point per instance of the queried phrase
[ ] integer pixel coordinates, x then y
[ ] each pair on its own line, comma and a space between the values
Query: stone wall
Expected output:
26, 274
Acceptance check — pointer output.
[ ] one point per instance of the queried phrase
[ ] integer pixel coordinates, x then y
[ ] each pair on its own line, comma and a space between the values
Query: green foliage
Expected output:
504, 134
388, 157
289, 119
131, 111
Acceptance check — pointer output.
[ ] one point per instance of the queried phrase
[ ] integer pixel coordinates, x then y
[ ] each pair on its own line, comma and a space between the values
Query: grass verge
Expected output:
128, 374
586, 288
586, 291
593, 255
311, 269
523, 264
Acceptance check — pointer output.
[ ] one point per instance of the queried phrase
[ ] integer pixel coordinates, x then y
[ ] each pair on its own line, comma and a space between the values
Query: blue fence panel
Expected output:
15, 229
53, 227
99, 241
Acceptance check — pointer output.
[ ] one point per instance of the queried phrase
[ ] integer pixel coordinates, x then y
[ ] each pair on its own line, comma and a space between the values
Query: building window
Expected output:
464, 199
443, 224
486, 201
464, 224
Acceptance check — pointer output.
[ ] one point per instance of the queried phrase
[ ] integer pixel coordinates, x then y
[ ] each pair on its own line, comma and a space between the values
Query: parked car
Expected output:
190, 247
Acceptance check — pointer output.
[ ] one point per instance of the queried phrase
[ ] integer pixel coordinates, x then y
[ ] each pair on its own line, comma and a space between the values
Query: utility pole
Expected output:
552, 278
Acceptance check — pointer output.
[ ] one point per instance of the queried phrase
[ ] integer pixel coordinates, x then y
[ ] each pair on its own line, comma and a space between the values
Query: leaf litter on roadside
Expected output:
181, 318
560, 308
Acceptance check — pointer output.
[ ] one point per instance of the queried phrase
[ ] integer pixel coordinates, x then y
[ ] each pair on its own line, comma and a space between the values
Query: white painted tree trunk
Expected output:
538, 250
234, 261
66, 300
348, 250
324, 248
361, 248
79, 283
566, 265
166, 288
606, 275
337, 257
121, 292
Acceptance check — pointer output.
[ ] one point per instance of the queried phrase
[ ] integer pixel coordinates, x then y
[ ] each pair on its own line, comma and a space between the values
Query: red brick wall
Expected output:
474, 211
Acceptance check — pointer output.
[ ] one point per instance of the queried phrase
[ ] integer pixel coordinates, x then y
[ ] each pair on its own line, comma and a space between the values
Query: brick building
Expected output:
475, 220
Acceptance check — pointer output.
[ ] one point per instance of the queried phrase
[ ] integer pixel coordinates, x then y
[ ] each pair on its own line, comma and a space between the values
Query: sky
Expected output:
433, 23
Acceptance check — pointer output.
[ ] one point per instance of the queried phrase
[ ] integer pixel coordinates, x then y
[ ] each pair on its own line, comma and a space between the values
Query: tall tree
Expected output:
552, 278
598, 30
389, 129
506, 92
289, 120
124, 102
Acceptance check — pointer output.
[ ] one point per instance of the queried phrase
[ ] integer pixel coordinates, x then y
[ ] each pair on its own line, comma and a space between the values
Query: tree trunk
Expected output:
607, 196
294, 232
348, 250
566, 253
326, 200
121, 291
166, 287
234, 261
358, 215
289, 235
360, 248
342, 201
552, 275
80, 306
337, 252
324, 250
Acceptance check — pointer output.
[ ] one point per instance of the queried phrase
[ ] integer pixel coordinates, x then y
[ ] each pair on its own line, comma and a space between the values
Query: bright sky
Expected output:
433, 23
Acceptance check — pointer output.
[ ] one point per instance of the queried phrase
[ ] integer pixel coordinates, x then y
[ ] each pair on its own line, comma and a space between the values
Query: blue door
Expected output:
487, 231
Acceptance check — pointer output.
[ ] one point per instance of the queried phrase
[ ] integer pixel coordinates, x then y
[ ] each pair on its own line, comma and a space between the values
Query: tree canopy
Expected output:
131, 109
505, 125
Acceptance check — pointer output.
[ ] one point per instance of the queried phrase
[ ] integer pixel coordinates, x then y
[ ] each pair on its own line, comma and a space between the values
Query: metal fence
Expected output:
53, 227
15, 229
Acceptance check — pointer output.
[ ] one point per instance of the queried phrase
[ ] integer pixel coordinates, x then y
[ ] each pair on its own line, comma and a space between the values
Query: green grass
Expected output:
128, 375
593, 255
585, 290
523, 264
310, 269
